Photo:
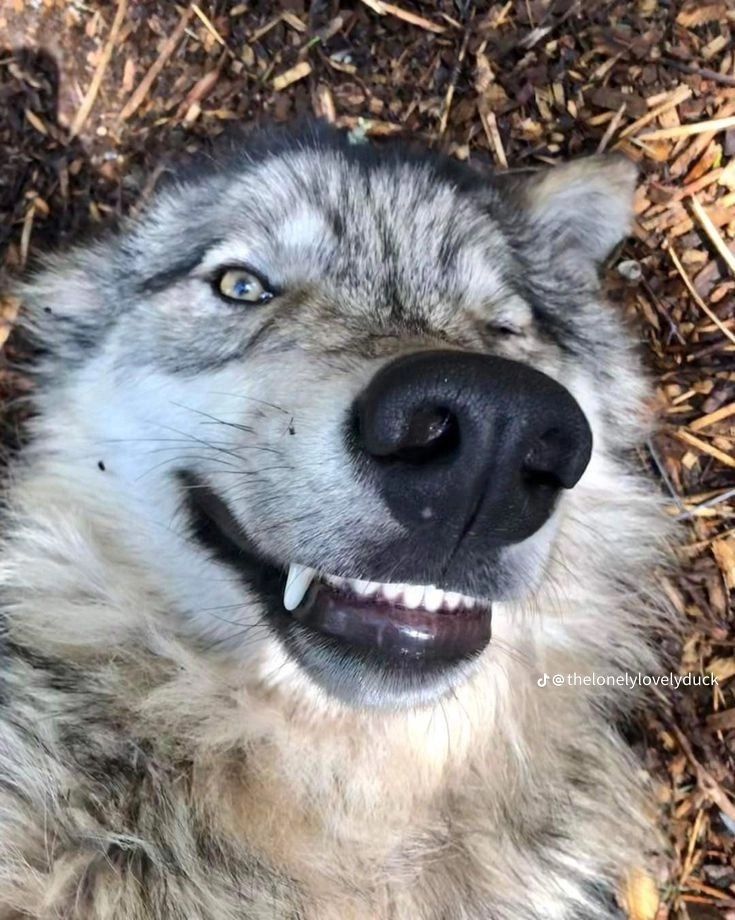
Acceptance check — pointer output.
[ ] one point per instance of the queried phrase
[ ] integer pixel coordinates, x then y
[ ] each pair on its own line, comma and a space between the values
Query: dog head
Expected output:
350, 398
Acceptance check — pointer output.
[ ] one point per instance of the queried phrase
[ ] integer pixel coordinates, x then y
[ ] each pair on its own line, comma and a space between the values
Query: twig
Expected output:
704, 72
678, 194
541, 31
709, 228
707, 783
611, 128
667, 134
413, 19
712, 418
94, 87
383, 9
710, 503
25, 236
683, 435
149, 79
37, 122
697, 299
664, 475
376, 6
208, 25
693, 836
490, 124
679, 95
455, 76
700, 142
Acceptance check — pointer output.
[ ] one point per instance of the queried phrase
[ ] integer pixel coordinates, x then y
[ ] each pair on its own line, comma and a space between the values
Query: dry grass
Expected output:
88, 124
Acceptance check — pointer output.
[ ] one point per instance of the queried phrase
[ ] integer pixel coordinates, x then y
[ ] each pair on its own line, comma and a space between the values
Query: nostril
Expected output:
544, 462
432, 432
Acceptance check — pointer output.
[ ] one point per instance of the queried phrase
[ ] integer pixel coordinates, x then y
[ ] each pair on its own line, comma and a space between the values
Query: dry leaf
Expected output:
641, 896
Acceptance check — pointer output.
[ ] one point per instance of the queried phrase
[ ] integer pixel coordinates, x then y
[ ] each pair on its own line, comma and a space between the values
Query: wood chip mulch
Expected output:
97, 97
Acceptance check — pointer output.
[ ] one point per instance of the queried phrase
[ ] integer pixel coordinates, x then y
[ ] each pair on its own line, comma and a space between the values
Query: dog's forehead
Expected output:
305, 217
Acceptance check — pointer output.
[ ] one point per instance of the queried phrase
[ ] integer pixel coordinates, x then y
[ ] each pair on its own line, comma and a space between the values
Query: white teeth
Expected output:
363, 587
297, 583
452, 600
428, 597
433, 598
392, 592
413, 595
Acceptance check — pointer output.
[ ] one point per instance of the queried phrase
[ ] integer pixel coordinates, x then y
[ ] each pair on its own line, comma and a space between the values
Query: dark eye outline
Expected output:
269, 290
503, 329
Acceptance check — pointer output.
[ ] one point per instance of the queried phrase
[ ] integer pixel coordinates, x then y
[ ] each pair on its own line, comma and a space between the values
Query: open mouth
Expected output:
404, 623
371, 642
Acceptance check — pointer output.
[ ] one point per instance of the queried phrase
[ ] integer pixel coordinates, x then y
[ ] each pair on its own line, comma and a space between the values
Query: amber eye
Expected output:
242, 285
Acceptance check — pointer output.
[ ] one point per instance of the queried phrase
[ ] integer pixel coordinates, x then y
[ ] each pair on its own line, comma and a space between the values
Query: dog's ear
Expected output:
583, 208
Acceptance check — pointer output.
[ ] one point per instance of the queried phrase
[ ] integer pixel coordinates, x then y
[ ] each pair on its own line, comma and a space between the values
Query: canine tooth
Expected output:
452, 600
433, 598
413, 595
297, 583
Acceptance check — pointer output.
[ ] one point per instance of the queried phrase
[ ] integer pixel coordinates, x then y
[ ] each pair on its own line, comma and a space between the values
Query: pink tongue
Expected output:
394, 632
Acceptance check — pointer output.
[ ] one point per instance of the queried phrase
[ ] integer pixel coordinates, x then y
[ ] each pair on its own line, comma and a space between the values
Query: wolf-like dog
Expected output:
328, 516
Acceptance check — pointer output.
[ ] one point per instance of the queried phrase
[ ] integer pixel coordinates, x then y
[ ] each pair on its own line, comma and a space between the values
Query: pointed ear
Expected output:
585, 207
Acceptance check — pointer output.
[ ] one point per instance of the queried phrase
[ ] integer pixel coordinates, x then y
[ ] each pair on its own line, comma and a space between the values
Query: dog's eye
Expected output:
242, 285
504, 329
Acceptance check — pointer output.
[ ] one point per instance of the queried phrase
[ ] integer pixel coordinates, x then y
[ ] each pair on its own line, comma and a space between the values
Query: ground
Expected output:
96, 98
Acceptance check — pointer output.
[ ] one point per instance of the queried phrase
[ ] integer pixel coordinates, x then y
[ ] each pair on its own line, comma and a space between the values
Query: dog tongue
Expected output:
394, 632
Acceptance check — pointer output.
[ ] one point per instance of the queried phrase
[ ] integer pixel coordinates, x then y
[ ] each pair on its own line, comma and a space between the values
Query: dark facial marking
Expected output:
179, 270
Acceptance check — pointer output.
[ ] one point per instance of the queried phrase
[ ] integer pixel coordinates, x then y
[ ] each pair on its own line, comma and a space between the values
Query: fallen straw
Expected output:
94, 87
143, 88
713, 233
667, 134
697, 299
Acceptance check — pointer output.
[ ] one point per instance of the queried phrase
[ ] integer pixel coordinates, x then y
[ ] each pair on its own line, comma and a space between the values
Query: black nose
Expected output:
470, 443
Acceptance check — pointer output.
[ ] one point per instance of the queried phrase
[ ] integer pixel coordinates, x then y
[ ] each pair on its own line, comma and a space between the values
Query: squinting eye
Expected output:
505, 329
240, 284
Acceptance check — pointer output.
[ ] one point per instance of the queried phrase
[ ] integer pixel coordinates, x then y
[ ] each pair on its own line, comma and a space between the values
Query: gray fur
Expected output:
160, 755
